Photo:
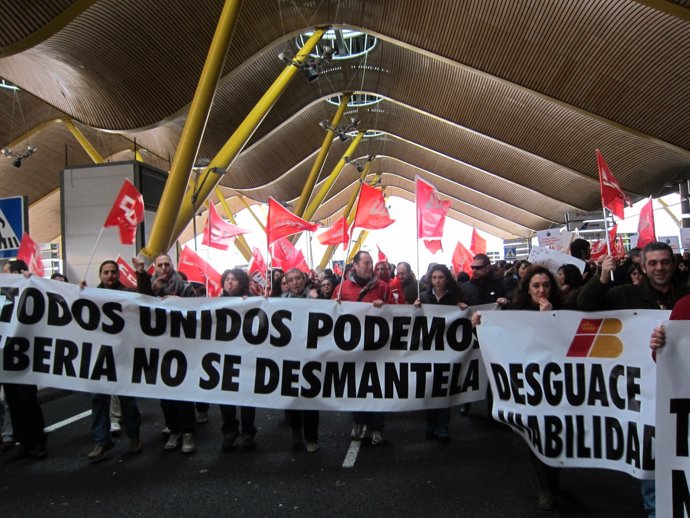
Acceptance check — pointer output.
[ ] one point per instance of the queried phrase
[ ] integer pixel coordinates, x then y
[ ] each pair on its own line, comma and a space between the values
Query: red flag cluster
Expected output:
612, 196
126, 213
431, 215
218, 233
30, 253
285, 256
282, 223
198, 270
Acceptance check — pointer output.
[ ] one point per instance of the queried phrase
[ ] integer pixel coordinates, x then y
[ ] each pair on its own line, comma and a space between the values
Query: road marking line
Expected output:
67, 421
351, 455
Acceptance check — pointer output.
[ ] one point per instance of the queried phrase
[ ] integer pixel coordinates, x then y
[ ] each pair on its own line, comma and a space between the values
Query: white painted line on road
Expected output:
67, 421
351, 455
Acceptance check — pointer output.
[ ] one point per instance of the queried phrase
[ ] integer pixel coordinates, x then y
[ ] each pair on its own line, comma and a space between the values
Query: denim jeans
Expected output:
100, 426
231, 424
648, 490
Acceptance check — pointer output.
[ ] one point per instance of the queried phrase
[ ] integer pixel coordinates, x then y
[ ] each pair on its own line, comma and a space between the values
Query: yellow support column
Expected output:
242, 134
347, 213
162, 229
240, 242
321, 157
358, 244
248, 207
315, 203
85, 144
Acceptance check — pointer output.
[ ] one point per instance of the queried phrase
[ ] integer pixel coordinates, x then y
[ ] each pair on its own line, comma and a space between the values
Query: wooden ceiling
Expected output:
499, 104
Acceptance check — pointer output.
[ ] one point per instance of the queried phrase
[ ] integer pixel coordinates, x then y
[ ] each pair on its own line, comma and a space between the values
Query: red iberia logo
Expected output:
596, 338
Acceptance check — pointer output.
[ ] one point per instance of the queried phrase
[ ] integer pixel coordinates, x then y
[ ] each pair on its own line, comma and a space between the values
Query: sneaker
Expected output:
248, 441
165, 431
228, 441
297, 439
376, 438
357, 433
312, 447
98, 451
174, 441
188, 445
115, 429
135, 445
201, 417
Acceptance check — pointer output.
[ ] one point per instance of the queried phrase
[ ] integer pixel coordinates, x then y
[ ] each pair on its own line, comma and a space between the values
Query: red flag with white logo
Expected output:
478, 243
283, 223
645, 228
219, 233
257, 264
612, 196
285, 256
462, 259
372, 213
198, 270
128, 277
431, 210
126, 213
336, 235
30, 253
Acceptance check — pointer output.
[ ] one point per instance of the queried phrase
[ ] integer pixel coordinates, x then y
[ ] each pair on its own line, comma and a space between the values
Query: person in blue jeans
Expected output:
109, 274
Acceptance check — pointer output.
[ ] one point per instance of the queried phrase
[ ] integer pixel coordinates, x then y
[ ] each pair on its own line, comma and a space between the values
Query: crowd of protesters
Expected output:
653, 278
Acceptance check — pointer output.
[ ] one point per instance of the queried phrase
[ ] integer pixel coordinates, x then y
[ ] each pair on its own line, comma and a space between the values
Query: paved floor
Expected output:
481, 472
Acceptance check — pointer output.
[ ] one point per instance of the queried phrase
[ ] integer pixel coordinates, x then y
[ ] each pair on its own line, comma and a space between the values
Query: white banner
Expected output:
273, 353
672, 417
553, 259
579, 387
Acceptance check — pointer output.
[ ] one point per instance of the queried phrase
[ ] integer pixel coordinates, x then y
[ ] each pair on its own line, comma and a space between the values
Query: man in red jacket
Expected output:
362, 285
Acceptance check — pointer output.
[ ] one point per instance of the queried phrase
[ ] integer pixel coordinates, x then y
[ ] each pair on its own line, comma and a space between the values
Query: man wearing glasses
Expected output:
484, 287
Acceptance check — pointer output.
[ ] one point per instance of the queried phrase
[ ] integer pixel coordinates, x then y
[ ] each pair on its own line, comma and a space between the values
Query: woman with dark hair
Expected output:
277, 285
538, 291
514, 281
635, 274
570, 280
235, 283
57, 276
445, 291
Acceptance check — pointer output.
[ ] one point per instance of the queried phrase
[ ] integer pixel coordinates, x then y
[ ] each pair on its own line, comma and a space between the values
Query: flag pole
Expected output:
608, 240
93, 252
347, 254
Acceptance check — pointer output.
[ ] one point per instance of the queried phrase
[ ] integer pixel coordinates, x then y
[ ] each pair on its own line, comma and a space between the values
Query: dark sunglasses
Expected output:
475, 267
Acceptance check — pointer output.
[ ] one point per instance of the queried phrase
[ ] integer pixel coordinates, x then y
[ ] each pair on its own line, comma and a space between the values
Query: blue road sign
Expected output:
13, 223
509, 253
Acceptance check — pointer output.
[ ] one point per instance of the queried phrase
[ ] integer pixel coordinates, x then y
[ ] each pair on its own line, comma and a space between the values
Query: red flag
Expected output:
462, 259
336, 235
433, 245
126, 213
337, 269
645, 228
478, 243
285, 256
128, 277
381, 255
218, 233
257, 263
612, 196
371, 212
619, 249
30, 253
283, 223
198, 270
597, 250
431, 211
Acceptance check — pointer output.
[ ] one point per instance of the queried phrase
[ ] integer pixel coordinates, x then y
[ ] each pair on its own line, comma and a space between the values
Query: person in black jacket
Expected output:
442, 290
483, 287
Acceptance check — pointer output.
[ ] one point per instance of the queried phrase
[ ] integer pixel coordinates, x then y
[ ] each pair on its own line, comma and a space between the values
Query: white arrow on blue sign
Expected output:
13, 223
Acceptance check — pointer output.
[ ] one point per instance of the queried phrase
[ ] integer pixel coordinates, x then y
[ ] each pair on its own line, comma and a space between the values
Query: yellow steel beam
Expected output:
348, 213
243, 200
674, 9
162, 230
358, 244
670, 212
240, 242
243, 133
50, 28
315, 203
85, 144
321, 156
